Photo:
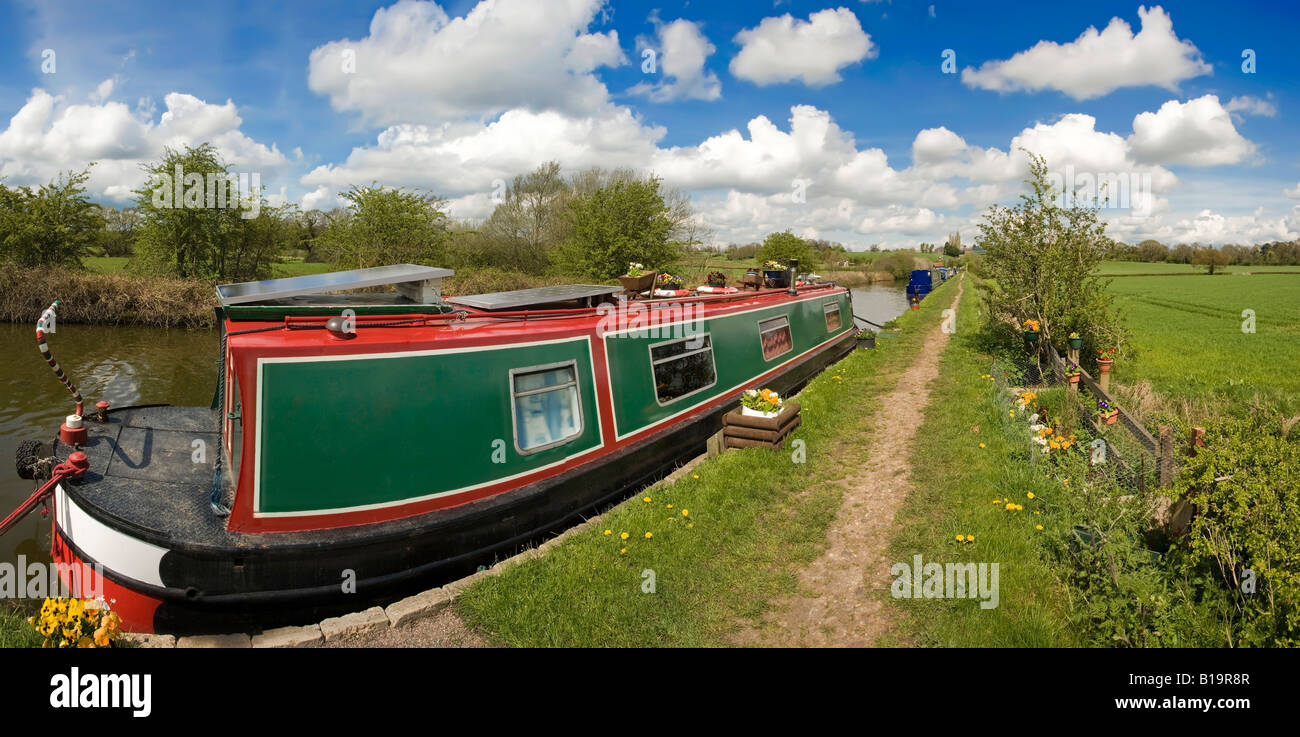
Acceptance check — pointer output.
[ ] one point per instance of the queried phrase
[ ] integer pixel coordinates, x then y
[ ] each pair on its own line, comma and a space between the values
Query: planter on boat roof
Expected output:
637, 283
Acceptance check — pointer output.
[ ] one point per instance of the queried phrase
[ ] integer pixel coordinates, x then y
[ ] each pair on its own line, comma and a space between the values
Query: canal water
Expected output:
137, 365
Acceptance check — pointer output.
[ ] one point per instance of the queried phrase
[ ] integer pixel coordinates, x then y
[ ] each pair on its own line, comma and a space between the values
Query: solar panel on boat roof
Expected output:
535, 296
256, 291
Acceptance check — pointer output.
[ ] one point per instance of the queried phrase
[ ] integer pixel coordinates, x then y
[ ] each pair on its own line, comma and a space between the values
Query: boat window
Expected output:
683, 367
547, 410
774, 334
832, 310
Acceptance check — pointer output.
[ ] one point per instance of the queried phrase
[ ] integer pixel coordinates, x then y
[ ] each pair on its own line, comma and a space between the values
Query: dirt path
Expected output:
843, 592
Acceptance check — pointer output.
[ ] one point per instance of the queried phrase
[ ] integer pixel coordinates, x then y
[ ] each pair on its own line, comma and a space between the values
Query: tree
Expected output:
50, 226
617, 223
1210, 259
952, 250
118, 236
529, 220
785, 246
1042, 258
1152, 251
384, 225
195, 222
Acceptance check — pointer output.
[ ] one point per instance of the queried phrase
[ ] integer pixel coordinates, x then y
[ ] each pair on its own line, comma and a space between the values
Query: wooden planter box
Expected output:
637, 284
744, 431
752, 281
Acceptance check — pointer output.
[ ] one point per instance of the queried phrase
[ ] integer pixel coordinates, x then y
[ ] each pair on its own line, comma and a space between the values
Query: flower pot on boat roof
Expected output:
716, 279
637, 279
776, 275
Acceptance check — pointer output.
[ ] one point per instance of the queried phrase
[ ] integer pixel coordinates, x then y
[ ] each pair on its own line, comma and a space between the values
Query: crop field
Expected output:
1127, 268
1192, 336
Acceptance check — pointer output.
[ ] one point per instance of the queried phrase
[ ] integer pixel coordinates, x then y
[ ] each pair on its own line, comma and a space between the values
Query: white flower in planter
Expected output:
1041, 441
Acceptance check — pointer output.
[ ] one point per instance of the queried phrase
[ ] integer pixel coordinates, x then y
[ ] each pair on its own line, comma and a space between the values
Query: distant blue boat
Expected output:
920, 284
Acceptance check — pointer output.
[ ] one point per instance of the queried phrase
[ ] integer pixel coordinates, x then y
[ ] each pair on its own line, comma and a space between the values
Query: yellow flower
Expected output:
696, 475
670, 506
623, 536
646, 500
981, 445
690, 526
970, 538
1009, 506
623, 551
686, 512
607, 532
960, 538
649, 535
1038, 527
1030, 495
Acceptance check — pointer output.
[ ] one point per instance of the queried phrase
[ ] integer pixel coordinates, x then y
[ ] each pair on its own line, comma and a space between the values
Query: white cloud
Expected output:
1250, 105
46, 137
683, 50
1293, 193
783, 49
419, 64
1198, 132
455, 160
1097, 63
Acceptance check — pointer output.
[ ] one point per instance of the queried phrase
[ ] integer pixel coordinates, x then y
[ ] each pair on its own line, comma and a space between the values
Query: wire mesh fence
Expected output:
1123, 450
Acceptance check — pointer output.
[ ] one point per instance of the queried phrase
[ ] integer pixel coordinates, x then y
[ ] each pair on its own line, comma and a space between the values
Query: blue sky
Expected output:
835, 120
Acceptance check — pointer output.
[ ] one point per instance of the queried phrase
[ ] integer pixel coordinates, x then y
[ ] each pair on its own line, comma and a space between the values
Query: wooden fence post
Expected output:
1166, 463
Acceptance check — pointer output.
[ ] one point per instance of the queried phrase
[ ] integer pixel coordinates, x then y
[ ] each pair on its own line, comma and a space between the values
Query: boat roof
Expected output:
535, 296
267, 290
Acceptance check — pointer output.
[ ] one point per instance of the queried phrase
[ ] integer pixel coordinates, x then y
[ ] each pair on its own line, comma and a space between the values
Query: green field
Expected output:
1189, 338
1127, 268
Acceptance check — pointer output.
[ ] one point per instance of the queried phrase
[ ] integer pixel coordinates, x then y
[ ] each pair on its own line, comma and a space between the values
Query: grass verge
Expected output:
753, 519
970, 453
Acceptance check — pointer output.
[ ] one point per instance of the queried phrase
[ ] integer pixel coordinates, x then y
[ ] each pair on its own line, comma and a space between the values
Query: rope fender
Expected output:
47, 318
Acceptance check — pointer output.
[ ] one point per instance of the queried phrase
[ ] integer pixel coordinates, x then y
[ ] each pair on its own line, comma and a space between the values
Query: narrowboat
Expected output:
362, 446
919, 285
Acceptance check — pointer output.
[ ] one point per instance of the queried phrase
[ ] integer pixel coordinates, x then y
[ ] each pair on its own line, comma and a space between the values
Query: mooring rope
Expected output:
44, 348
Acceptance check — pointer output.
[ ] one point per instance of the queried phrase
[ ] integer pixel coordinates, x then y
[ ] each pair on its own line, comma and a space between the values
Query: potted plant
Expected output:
1106, 414
866, 337
775, 274
716, 279
1072, 373
1032, 330
1075, 341
761, 403
638, 278
1106, 357
668, 281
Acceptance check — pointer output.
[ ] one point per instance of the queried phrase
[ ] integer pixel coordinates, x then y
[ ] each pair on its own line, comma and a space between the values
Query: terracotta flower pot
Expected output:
1104, 364
1111, 417
1074, 378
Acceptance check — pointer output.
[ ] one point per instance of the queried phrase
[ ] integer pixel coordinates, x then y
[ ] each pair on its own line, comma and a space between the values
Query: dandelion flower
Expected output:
981, 445
623, 536
623, 551
961, 538
607, 532
670, 506
695, 476
646, 500
686, 512
1038, 527
970, 538
1030, 495
690, 526
649, 535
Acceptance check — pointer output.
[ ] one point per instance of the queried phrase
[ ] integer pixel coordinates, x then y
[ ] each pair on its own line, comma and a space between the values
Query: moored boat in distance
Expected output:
363, 446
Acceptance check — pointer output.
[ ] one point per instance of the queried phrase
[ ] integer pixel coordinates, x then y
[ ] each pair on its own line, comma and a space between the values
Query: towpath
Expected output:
842, 594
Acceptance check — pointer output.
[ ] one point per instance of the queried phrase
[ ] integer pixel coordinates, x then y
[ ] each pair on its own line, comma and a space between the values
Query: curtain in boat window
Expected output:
683, 367
546, 407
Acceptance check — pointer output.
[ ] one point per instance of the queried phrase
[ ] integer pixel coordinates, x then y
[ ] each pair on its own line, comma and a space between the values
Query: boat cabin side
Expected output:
403, 418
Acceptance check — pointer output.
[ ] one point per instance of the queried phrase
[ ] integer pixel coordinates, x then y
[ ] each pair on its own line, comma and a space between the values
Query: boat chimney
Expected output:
793, 291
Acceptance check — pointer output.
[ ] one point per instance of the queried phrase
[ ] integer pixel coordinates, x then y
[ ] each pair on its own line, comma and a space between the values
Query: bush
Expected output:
1245, 489
786, 246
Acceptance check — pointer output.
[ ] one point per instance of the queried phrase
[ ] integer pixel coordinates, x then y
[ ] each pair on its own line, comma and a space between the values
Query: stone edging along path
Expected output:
398, 614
